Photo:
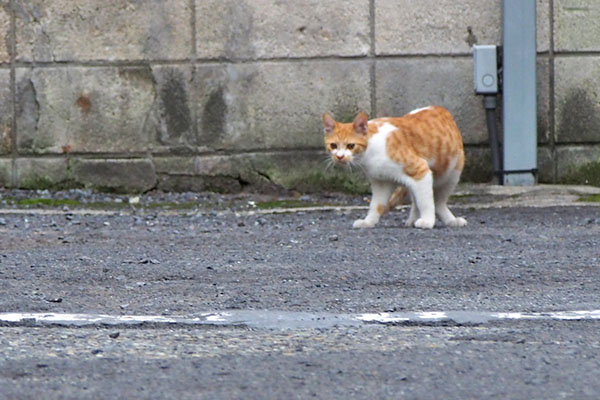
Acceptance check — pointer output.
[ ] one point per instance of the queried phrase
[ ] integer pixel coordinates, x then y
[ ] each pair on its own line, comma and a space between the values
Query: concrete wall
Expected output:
221, 94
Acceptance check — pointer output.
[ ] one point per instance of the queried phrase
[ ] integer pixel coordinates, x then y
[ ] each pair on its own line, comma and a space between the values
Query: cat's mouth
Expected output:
341, 161
342, 157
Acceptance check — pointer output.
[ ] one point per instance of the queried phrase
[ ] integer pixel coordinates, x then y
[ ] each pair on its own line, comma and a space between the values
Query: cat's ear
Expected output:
328, 123
361, 123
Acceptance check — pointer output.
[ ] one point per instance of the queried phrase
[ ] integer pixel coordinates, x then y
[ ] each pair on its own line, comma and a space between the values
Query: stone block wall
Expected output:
131, 95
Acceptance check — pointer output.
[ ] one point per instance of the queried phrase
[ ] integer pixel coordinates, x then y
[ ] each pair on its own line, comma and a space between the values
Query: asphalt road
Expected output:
518, 259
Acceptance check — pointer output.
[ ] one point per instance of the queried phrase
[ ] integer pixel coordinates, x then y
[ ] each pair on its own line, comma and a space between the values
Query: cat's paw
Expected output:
363, 223
457, 222
423, 223
410, 223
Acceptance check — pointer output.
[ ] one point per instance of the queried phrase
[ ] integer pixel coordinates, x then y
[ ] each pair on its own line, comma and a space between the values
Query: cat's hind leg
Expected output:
442, 191
422, 193
379, 204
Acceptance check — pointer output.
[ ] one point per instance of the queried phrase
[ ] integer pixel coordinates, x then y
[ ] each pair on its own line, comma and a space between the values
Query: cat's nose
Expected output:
339, 156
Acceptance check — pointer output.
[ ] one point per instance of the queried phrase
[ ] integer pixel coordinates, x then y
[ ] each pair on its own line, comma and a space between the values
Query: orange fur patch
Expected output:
431, 136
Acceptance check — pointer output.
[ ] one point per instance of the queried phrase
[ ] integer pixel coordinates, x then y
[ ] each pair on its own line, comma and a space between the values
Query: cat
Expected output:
419, 154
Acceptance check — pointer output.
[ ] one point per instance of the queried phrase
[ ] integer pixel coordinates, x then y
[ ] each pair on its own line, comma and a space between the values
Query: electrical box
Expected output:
485, 69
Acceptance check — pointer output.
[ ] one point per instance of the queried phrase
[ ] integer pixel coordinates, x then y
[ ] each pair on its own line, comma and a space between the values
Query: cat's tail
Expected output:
400, 196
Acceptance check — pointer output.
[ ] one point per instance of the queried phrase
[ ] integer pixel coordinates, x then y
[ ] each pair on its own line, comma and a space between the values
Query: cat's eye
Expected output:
350, 146
333, 146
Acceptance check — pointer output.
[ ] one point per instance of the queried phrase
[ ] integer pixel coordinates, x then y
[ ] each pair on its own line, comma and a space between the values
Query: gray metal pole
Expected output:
519, 116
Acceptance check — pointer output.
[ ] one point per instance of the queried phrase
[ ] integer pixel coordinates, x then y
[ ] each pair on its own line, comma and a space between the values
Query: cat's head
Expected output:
345, 141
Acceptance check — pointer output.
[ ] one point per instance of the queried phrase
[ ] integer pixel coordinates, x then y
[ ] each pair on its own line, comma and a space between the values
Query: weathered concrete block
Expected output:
120, 175
304, 171
175, 165
6, 170
307, 172
6, 111
83, 109
445, 26
105, 109
198, 183
576, 25
207, 173
276, 105
407, 84
210, 165
578, 165
41, 173
64, 30
234, 29
577, 99
4, 31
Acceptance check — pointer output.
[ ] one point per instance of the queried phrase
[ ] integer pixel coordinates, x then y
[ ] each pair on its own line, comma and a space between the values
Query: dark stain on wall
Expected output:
580, 118
28, 112
213, 117
471, 38
175, 104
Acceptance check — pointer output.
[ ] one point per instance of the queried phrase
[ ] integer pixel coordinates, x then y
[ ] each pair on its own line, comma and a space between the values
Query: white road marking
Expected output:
105, 319
265, 319
478, 316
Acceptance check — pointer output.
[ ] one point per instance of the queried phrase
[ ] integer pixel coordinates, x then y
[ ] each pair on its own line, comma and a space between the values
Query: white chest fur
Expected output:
375, 161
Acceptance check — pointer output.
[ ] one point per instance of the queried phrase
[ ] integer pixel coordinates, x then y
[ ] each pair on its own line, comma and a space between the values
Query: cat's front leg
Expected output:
378, 206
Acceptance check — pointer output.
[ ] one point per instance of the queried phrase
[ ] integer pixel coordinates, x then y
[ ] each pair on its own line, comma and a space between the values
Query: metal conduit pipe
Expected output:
490, 103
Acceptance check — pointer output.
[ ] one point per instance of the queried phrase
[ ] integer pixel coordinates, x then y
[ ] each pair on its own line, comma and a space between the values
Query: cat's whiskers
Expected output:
362, 167
329, 163
355, 162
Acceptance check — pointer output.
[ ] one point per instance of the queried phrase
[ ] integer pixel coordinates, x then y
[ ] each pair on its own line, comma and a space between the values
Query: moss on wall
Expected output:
585, 174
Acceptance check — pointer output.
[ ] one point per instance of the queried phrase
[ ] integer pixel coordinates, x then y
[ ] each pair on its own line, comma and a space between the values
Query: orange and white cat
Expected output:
421, 151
